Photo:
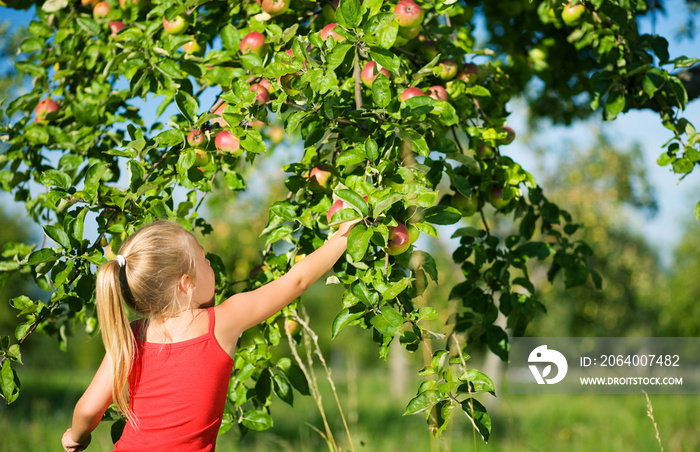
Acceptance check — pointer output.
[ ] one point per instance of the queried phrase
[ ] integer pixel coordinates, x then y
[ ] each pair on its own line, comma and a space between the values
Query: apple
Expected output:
262, 96
368, 73
44, 107
267, 85
408, 13
437, 92
116, 26
101, 10
196, 138
411, 92
327, 32
122, 3
469, 74
255, 271
320, 177
510, 135
496, 198
484, 150
409, 32
399, 240
286, 82
339, 204
291, 326
276, 134
572, 14
428, 47
89, 3
446, 69
193, 48
201, 158
226, 142
290, 52
413, 233
177, 26
220, 111
467, 205
275, 7
256, 124
253, 42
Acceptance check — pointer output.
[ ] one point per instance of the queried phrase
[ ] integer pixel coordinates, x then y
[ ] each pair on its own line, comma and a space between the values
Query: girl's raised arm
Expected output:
247, 309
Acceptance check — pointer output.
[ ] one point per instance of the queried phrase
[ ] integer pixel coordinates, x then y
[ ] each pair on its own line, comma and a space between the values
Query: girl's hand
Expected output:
69, 445
344, 228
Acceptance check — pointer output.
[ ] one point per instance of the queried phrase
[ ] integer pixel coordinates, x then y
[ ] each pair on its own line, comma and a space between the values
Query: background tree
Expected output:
228, 73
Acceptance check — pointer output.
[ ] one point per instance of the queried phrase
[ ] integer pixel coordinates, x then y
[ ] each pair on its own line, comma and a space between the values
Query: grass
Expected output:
521, 423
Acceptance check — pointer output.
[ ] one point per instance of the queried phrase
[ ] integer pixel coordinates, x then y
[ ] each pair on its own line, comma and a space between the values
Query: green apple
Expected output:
572, 14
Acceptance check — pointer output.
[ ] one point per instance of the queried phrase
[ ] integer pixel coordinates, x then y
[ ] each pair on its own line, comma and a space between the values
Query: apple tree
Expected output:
402, 119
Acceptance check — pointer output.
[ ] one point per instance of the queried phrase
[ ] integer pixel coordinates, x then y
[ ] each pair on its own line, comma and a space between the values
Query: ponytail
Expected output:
117, 334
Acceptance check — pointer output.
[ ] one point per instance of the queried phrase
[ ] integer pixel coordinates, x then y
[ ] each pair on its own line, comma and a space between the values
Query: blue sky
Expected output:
676, 201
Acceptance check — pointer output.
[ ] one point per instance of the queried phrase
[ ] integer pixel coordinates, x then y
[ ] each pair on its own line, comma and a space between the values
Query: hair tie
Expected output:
120, 260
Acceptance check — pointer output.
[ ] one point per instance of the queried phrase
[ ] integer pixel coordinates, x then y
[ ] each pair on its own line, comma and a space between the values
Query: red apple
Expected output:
510, 135
339, 204
89, 3
368, 73
276, 134
291, 326
193, 48
44, 107
467, 205
116, 26
446, 69
253, 42
177, 26
256, 124
228, 143
327, 32
101, 10
262, 96
267, 85
320, 177
196, 138
408, 13
220, 111
572, 14
399, 240
437, 92
409, 32
469, 74
275, 7
411, 92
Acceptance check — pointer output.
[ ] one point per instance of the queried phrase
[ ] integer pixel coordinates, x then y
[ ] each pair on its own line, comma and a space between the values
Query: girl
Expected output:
177, 360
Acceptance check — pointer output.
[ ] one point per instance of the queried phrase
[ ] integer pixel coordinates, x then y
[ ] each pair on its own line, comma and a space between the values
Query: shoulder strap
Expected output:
212, 319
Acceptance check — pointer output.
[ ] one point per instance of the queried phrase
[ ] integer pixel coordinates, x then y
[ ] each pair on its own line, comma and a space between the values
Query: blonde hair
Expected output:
155, 258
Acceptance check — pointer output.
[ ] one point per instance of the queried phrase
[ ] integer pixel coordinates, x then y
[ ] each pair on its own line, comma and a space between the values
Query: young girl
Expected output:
177, 360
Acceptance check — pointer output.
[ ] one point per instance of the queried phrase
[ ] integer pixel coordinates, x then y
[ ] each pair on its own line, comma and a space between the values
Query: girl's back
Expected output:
169, 383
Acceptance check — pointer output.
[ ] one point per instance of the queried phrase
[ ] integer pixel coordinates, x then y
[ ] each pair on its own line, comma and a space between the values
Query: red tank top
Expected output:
177, 392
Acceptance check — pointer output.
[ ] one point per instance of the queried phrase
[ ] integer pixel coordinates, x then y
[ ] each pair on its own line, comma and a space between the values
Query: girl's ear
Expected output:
185, 284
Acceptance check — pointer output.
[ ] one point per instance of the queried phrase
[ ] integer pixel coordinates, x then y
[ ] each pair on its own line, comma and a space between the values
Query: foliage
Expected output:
98, 159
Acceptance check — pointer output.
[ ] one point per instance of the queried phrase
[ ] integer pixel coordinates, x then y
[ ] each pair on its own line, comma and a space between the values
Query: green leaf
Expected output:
614, 105
697, 211
9, 383
381, 91
337, 56
283, 389
230, 38
478, 416
386, 59
480, 382
358, 241
388, 322
42, 255
354, 200
253, 142
349, 13
396, 288
56, 178
345, 317
442, 215
257, 420
188, 105
58, 235
89, 25
423, 401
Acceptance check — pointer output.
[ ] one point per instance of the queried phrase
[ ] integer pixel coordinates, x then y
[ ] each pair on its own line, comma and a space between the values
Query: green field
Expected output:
586, 423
